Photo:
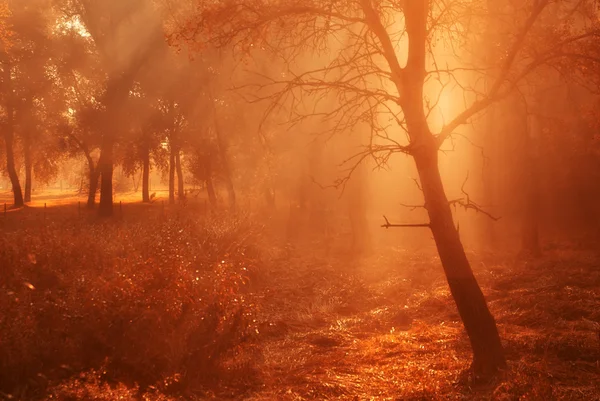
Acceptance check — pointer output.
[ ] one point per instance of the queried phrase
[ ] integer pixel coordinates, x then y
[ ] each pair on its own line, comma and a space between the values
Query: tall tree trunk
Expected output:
93, 185
488, 355
12, 171
221, 142
172, 175
9, 138
146, 176
105, 167
93, 175
210, 189
180, 187
494, 125
28, 167
531, 191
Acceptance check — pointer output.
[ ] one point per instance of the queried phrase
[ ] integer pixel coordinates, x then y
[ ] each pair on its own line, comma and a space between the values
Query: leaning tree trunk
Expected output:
9, 139
488, 355
12, 171
172, 176
146, 176
180, 187
105, 167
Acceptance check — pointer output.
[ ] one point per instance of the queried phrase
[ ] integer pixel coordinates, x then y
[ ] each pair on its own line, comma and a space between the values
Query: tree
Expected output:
33, 97
78, 134
7, 45
127, 36
377, 83
9, 133
147, 131
517, 126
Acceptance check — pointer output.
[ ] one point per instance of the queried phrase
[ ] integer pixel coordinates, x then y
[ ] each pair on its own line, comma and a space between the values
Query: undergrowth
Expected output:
158, 305
186, 308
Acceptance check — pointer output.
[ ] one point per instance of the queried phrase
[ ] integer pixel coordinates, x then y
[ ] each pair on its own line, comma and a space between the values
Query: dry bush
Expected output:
163, 303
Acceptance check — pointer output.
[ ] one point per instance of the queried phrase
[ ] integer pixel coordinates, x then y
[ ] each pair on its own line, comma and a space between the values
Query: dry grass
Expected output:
384, 327
388, 329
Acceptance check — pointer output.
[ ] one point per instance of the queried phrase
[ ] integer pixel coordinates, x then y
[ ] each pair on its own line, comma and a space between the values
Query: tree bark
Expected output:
10, 167
28, 167
488, 355
146, 176
210, 189
531, 203
9, 138
180, 187
105, 167
172, 175
221, 142
93, 172
93, 184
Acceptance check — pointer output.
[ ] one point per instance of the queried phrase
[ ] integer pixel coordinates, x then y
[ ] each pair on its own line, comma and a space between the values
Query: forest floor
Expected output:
329, 326
387, 329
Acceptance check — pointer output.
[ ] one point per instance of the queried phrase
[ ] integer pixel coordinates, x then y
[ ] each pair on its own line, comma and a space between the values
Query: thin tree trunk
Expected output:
28, 168
146, 177
221, 142
105, 167
9, 138
180, 187
493, 33
210, 189
531, 208
488, 355
12, 172
172, 176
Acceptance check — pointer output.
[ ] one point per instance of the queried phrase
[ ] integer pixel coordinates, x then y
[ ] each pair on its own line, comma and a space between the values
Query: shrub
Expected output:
147, 300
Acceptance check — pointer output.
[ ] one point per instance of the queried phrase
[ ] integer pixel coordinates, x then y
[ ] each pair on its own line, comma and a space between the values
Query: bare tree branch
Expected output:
390, 225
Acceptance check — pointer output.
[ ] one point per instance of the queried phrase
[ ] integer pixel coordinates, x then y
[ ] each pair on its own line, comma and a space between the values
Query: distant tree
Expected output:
127, 36
79, 135
376, 83
515, 138
9, 43
144, 143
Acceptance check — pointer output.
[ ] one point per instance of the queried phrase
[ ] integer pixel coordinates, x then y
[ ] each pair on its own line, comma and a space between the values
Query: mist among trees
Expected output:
283, 200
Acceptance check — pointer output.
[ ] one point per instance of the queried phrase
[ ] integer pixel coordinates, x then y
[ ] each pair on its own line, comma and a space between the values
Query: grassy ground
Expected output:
315, 324
373, 333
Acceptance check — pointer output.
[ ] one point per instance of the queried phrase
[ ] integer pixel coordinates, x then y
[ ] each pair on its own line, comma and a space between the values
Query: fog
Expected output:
275, 200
